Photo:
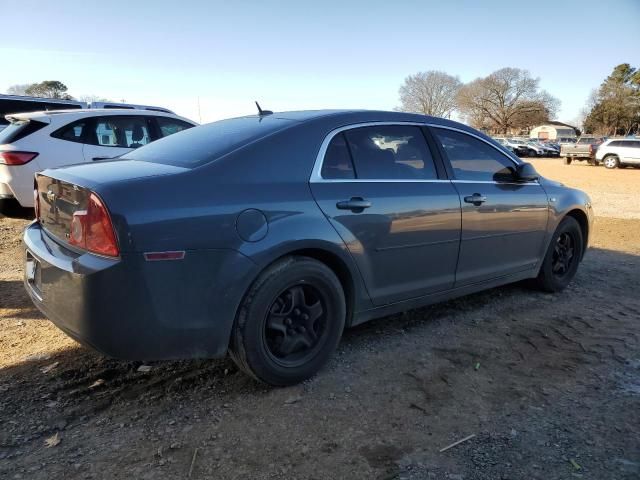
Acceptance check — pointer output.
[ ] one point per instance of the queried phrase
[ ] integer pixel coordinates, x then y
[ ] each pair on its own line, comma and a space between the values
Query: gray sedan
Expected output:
265, 236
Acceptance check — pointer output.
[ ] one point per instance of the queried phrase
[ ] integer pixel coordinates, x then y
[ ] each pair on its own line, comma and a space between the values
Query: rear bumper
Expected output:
136, 310
17, 181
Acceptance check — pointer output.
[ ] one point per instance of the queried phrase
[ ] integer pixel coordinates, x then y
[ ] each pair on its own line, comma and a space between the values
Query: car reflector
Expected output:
156, 256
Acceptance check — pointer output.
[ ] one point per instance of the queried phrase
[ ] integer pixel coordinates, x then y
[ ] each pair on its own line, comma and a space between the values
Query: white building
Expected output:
553, 132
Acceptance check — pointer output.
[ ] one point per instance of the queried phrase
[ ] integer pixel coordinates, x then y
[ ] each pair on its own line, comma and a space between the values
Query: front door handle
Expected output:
102, 158
476, 199
355, 204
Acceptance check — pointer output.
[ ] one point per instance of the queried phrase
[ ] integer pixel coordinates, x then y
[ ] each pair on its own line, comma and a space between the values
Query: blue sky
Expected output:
299, 54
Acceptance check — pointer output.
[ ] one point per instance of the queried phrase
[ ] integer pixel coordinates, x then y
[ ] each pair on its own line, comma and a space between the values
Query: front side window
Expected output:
124, 132
169, 126
390, 152
472, 159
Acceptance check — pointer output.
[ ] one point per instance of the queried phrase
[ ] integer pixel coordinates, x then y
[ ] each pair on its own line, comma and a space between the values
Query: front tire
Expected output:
567, 160
563, 256
289, 322
611, 161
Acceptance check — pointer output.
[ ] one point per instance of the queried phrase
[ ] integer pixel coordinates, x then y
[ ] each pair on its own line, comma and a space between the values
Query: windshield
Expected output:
199, 145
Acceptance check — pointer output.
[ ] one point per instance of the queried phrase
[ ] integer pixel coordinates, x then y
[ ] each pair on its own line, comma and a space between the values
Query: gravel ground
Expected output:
548, 384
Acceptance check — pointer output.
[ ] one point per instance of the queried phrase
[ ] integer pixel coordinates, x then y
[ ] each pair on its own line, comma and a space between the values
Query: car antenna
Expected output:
262, 112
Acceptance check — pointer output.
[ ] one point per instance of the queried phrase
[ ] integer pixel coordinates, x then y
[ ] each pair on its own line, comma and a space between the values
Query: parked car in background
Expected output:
619, 153
268, 235
584, 149
38, 140
10, 104
517, 146
547, 150
535, 149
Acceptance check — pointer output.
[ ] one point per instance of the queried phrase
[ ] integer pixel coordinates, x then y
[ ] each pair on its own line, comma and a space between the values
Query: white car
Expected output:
35, 141
619, 152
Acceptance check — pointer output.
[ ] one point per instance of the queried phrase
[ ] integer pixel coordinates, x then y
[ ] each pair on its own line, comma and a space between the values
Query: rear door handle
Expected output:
476, 199
355, 204
102, 158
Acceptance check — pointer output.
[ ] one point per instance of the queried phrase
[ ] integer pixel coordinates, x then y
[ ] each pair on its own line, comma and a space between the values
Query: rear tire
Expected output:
567, 160
563, 256
611, 161
289, 322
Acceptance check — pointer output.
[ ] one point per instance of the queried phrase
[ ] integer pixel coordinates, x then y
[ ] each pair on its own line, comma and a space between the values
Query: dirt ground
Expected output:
548, 384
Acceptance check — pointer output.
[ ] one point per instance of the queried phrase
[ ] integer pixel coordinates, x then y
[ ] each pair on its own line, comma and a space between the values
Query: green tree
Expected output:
49, 89
615, 110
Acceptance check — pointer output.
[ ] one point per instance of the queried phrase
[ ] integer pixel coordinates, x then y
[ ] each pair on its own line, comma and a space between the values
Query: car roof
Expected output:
339, 118
65, 115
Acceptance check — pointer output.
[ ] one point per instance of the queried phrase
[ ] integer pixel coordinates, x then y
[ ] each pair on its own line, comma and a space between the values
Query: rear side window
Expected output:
74, 132
123, 132
169, 126
203, 144
337, 161
390, 152
18, 130
472, 159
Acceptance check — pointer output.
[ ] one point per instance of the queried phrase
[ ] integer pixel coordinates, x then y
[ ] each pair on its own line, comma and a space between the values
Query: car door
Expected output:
65, 147
503, 221
380, 188
629, 150
111, 136
634, 151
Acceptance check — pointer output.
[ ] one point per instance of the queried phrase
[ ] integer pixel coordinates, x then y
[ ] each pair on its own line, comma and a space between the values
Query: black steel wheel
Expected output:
290, 322
295, 325
563, 256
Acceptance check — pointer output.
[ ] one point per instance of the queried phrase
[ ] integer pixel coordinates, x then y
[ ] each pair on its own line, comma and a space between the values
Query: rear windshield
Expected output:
589, 141
17, 130
199, 145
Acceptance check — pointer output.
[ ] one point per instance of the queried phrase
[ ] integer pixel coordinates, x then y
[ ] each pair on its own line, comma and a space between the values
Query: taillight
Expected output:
92, 230
17, 158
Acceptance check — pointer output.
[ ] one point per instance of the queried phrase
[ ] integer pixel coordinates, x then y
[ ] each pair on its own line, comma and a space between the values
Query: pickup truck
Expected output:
584, 149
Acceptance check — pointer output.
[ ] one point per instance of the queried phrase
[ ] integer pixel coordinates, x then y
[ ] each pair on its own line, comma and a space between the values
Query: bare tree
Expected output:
430, 93
93, 98
20, 89
508, 98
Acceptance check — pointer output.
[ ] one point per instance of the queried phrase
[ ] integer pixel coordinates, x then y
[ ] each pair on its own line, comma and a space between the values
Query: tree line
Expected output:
510, 99
51, 89
614, 108
507, 99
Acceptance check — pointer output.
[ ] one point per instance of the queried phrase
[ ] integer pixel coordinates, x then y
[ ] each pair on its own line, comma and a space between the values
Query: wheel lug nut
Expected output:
296, 311
287, 321
305, 316
301, 329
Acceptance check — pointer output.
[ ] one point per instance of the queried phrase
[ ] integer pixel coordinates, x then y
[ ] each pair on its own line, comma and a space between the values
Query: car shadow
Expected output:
81, 382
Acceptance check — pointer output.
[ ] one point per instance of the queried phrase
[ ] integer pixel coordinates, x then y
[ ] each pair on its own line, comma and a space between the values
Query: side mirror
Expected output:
525, 172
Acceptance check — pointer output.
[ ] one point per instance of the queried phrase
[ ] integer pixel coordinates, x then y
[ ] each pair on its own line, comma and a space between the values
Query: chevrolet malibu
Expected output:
266, 236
